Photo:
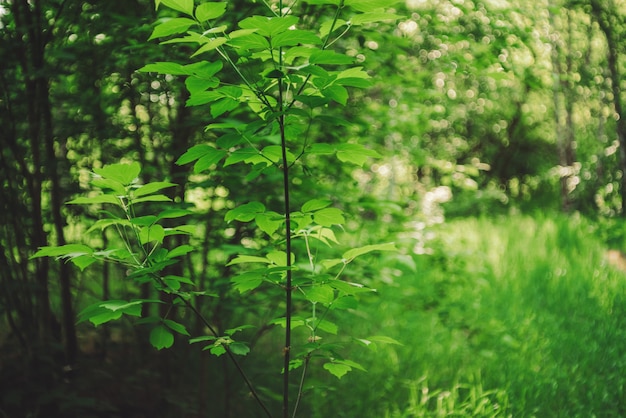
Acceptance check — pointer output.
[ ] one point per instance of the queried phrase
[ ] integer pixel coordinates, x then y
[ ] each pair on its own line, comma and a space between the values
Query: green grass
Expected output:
516, 317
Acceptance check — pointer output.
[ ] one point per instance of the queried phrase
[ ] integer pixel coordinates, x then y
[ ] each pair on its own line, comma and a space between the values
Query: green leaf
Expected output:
178, 251
152, 198
337, 93
161, 337
173, 213
123, 173
151, 233
315, 204
151, 188
245, 212
194, 153
327, 326
373, 17
269, 222
320, 294
269, 26
329, 217
248, 281
171, 27
337, 369
203, 97
241, 259
212, 44
211, 157
83, 261
355, 153
143, 220
295, 37
322, 149
279, 258
170, 68
63, 251
179, 279
355, 252
114, 185
210, 10
94, 200
185, 6
223, 105
370, 5
329, 57
197, 84
349, 288
175, 326
239, 348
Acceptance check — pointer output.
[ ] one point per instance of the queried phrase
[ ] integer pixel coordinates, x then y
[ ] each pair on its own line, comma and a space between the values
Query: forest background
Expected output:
488, 146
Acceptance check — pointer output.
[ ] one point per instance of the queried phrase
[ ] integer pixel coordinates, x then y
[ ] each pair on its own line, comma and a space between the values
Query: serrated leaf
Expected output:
161, 337
152, 187
239, 348
337, 369
210, 10
279, 258
322, 149
370, 5
180, 250
185, 6
349, 288
247, 281
269, 26
123, 173
173, 213
151, 233
355, 252
331, 262
143, 220
329, 57
83, 261
327, 326
197, 84
63, 251
295, 37
203, 97
212, 44
329, 217
248, 41
355, 153
103, 198
320, 294
241, 259
208, 160
345, 302
268, 222
337, 93
170, 68
373, 17
315, 204
114, 185
131, 308
223, 105
171, 27
175, 326
245, 212
152, 198
193, 153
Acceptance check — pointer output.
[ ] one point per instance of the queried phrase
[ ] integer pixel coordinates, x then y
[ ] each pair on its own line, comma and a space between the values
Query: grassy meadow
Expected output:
513, 317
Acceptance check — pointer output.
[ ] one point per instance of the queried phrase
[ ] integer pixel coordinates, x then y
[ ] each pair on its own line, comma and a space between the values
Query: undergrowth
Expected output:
516, 316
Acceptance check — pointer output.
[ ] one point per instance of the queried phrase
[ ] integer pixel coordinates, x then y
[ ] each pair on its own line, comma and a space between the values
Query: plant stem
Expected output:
288, 285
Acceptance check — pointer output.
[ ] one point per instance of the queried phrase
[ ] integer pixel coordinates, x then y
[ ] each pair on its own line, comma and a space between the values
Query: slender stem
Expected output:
304, 368
288, 285
229, 352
